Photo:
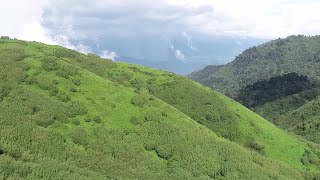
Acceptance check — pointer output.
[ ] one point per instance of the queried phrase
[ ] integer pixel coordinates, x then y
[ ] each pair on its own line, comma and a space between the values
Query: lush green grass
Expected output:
65, 115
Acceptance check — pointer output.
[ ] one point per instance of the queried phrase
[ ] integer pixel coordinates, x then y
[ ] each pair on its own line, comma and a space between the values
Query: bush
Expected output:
97, 119
76, 108
138, 100
63, 97
66, 53
54, 91
44, 82
88, 119
135, 120
252, 144
80, 136
50, 64
76, 82
73, 89
76, 122
70, 70
63, 74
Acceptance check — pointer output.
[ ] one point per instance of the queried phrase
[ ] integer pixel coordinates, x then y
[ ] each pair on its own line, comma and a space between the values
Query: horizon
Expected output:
179, 36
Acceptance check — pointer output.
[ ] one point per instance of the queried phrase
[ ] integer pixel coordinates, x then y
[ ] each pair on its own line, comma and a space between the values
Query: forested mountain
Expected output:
298, 54
66, 115
279, 80
275, 88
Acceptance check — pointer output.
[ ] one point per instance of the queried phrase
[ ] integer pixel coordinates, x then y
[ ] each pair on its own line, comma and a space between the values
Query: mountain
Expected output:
279, 80
66, 115
298, 54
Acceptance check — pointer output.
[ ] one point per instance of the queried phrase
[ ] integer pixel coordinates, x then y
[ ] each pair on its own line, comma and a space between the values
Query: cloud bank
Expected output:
58, 21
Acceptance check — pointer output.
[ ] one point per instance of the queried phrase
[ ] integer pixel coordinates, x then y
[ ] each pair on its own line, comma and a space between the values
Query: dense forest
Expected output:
276, 87
66, 115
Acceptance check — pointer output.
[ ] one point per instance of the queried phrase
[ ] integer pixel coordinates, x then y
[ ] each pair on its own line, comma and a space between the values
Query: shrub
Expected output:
63, 74
75, 109
152, 116
97, 119
138, 100
73, 89
252, 144
63, 97
76, 122
80, 136
88, 119
135, 120
70, 70
66, 53
76, 82
54, 91
44, 119
50, 64
44, 82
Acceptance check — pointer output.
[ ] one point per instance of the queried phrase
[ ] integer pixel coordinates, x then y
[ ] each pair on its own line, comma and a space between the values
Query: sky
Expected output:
68, 22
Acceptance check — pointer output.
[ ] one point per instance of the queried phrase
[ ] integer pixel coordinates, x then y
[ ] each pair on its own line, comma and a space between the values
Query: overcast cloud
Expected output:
58, 21
36, 19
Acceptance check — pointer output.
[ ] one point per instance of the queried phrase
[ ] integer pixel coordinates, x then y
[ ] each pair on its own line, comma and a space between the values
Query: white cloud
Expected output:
42, 20
22, 19
179, 55
109, 55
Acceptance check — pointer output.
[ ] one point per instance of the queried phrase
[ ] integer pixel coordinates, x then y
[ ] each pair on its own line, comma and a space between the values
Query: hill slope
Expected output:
65, 115
299, 54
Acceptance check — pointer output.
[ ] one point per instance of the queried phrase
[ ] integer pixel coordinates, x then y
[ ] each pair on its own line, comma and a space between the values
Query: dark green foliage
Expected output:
252, 144
80, 136
62, 73
273, 110
73, 89
70, 70
97, 119
44, 82
275, 88
66, 53
63, 97
76, 122
5, 37
13, 53
76, 108
136, 121
138, 100
50, 63
88, 119
76, 82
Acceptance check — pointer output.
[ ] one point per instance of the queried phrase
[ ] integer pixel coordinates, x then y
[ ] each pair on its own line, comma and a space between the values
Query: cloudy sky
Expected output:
68, 22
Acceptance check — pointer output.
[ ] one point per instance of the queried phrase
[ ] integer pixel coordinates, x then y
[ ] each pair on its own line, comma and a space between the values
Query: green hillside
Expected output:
66, 115
299, 54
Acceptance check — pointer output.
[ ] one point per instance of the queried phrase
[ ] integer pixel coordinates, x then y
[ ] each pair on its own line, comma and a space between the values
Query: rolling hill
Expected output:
66, 115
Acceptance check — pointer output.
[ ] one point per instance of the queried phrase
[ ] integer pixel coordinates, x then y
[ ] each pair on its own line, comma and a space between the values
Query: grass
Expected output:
53, 127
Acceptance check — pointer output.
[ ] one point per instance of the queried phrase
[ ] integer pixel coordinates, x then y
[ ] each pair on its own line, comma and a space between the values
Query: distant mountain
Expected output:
66, 115
178, 53
299, 54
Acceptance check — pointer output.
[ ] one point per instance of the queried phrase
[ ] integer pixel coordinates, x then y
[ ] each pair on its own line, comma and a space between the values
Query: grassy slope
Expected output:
249, 126
90, 133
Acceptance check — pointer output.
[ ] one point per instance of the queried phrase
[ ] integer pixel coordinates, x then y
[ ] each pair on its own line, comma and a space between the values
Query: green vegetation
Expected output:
299, 54
65, 115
